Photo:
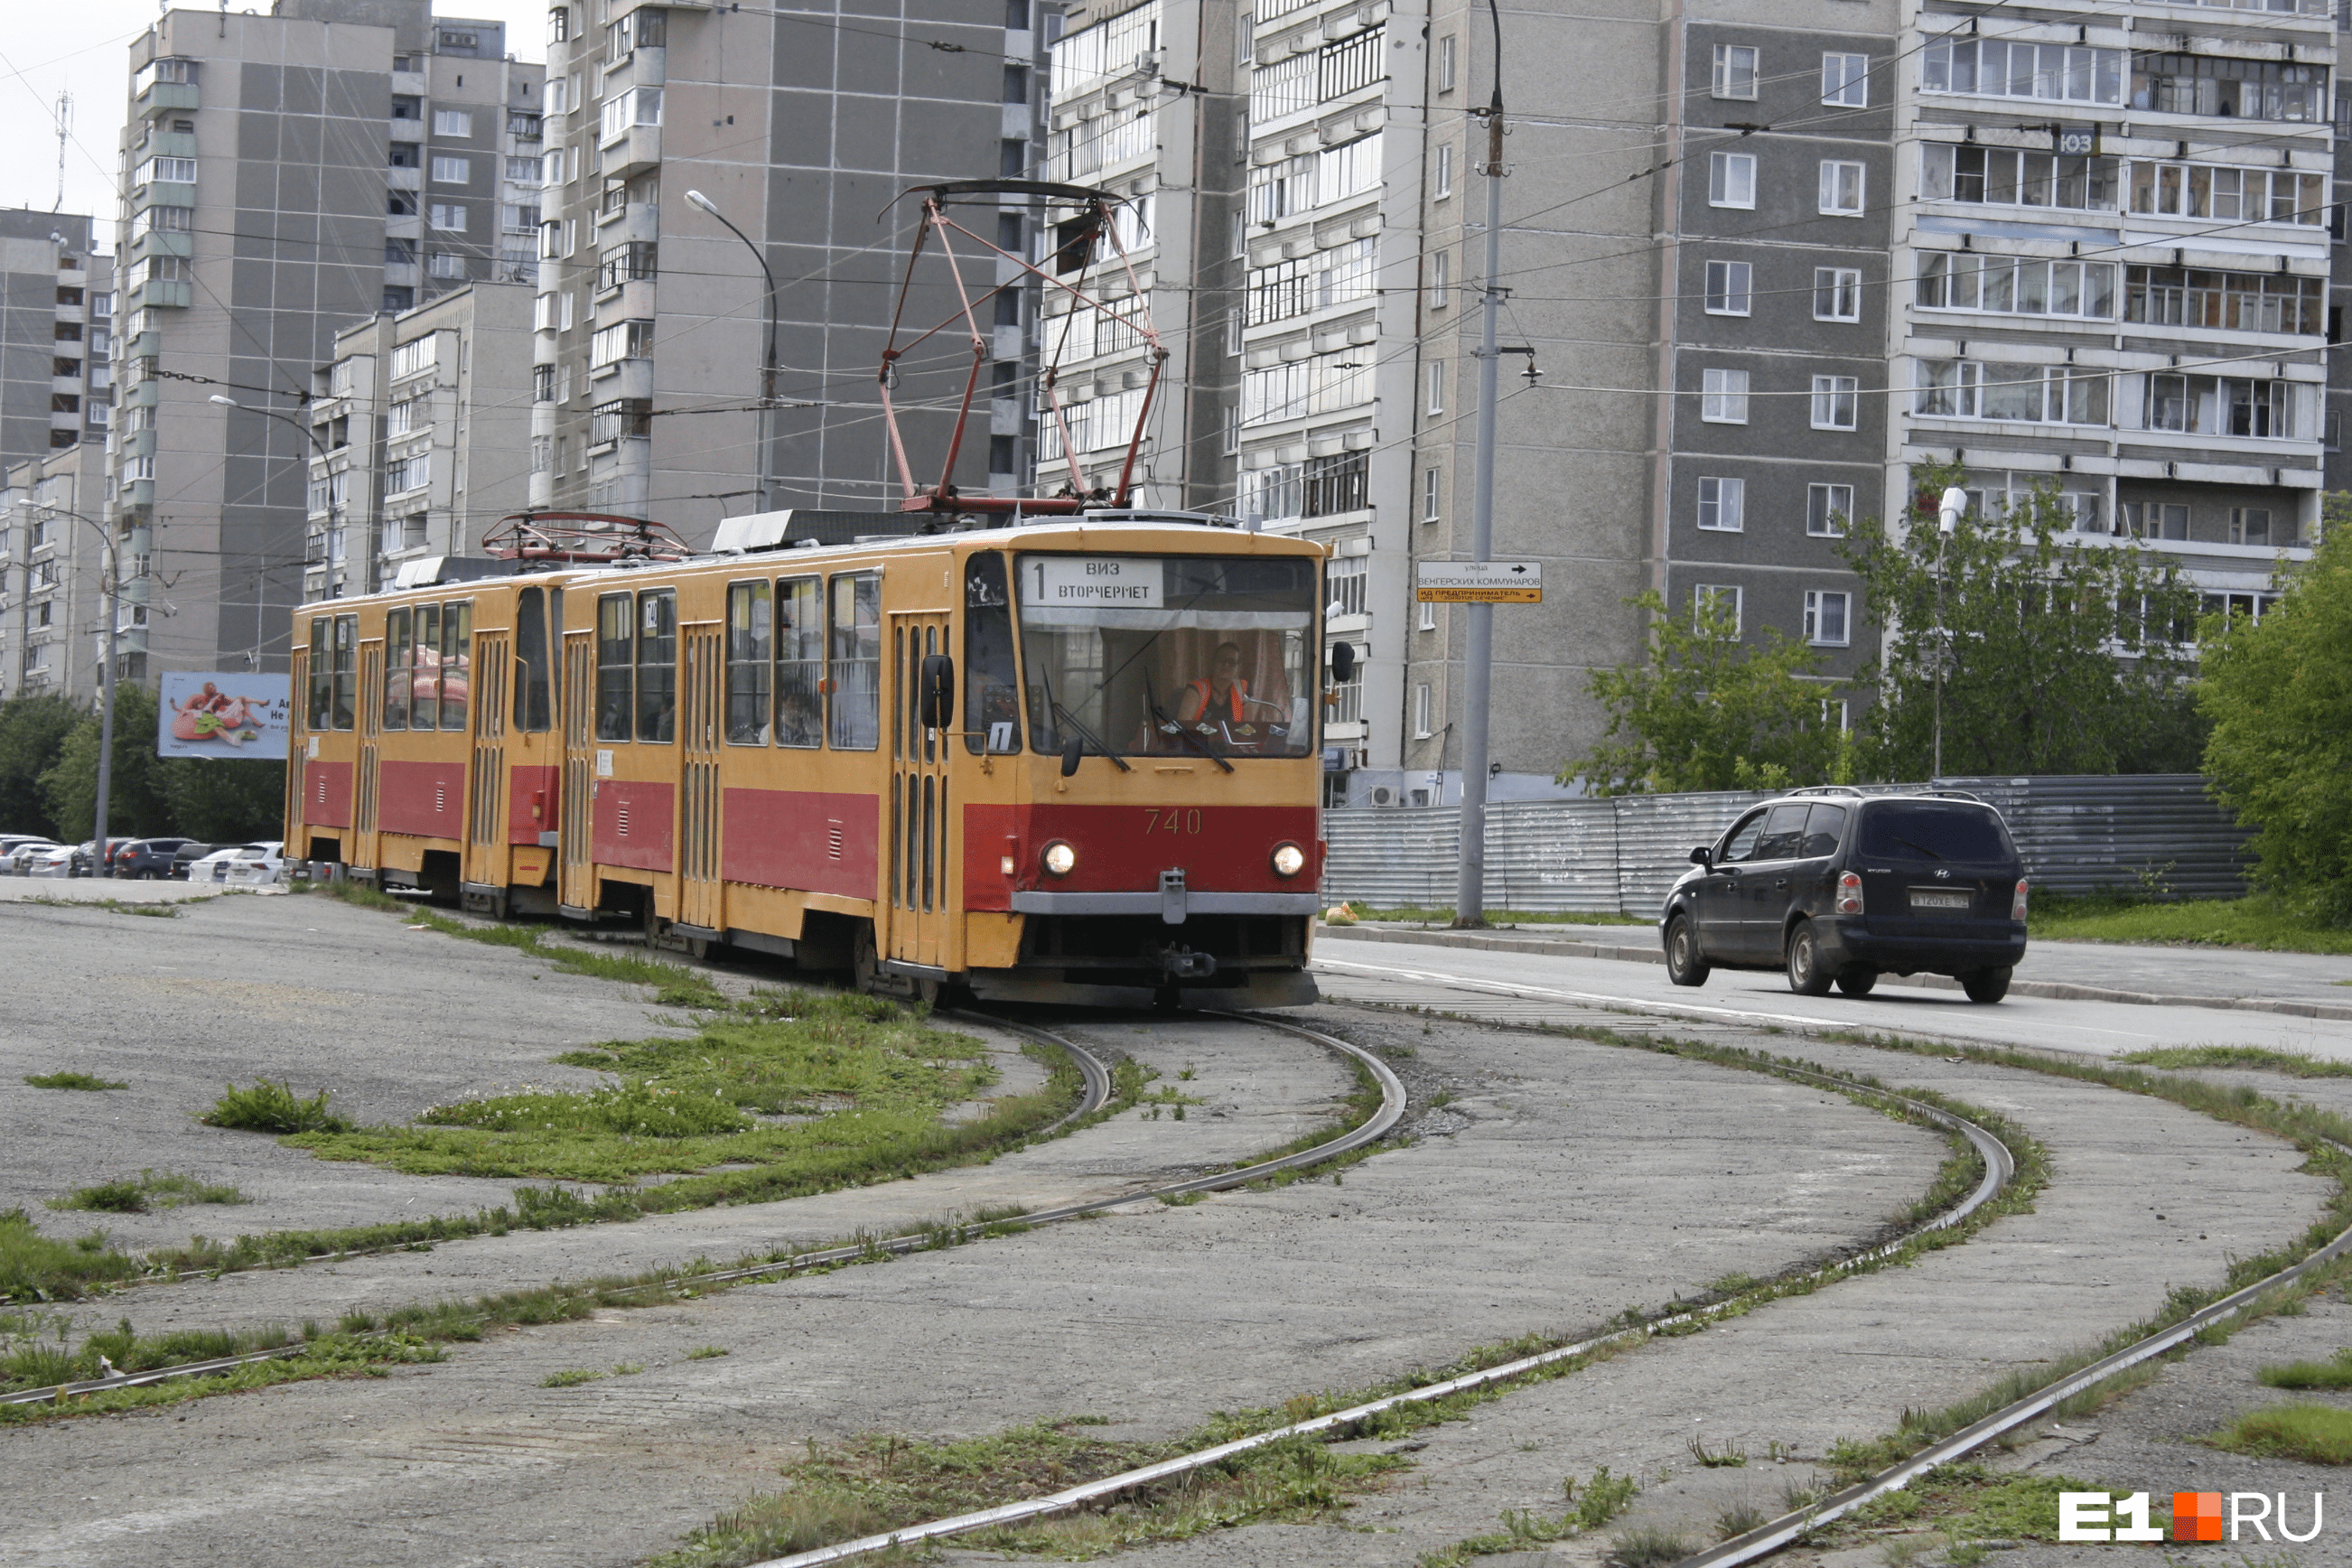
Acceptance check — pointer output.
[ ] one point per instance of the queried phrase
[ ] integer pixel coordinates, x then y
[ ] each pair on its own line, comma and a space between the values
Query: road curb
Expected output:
2058, 991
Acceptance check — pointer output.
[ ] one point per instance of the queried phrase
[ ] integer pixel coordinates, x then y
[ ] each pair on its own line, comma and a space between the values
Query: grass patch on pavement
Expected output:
2260, 922
2334, 1373
72, 1080
2315, 1434
36, 1267
270, 1107
2258, 1059
152, 1189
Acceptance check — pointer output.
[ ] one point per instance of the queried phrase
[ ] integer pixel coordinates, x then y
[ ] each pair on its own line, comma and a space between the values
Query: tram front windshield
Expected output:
1166, 654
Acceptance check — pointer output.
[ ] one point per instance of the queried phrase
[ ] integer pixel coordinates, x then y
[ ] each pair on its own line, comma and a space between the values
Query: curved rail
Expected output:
1094, 1095
2000, 1166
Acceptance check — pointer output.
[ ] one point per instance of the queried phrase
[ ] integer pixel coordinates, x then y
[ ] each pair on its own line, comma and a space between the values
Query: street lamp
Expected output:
768, 363
1947, 521
102, 863
310, 436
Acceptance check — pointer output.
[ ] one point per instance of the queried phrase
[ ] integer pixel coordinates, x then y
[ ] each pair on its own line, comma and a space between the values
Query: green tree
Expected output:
1706, 710
134, 796
2279, 693
226, 799
2067, 654
32, 730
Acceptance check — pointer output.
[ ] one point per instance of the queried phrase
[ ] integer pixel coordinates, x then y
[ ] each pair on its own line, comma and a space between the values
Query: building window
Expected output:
1837, 294
2210, 85
2155, 519
2025, 286
447, 264
1721, 505
1723, 397
1827, 510
1430, 483
453, 122
2049, 395
1731, 180
1433, 374
452, 171
1425, 710
622, 418
1445, 70
1334, 484
1995, 67
1735, 70
1440, 280
1346, 578
622, 340
2005, 177
2211, 191
1825, 617
172, 171
415, 355
1716, 598
2252, 525
449, 218
1835, 400
1845, 81
1442, 180
2234, 301
1842, 185
1728, 287
1427, 622
626, 263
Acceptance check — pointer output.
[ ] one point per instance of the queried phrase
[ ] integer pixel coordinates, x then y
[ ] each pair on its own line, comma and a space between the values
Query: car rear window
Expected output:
1934, 830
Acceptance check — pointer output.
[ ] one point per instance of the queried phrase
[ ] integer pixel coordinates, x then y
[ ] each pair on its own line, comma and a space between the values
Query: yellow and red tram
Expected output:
1072, 760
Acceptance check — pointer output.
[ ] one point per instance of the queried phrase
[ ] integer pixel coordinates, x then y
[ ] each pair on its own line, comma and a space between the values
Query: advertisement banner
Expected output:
222, 713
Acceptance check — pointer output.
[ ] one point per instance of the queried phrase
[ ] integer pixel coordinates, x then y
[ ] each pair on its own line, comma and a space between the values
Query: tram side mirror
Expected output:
1703, 856
1343, 662
937, 701
1071, 750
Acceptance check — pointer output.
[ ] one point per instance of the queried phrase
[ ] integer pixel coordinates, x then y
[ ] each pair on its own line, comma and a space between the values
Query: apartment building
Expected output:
53, 559
285, 176
803, 129
422, 422
56, 310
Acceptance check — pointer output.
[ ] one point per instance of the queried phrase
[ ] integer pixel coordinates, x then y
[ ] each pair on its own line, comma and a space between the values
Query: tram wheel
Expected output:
865, 963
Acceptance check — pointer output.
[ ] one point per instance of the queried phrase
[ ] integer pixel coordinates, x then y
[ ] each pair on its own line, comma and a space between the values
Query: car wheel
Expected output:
1805, 976
1986, 985
1685, 966
1857, 981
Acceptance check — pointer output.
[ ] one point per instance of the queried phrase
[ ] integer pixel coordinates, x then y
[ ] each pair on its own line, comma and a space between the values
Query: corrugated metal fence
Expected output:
2078, 834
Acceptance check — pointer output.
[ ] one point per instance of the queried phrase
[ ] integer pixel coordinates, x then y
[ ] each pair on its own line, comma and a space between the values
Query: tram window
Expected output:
323, 672
424, 679
457, 662
747, 640
800, 661
991, 692
347, 670
399, 657
533, 704
856, 675
615, 626
657, 666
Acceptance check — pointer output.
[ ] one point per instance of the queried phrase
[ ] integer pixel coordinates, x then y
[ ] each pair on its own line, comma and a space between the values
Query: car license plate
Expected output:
1939, 899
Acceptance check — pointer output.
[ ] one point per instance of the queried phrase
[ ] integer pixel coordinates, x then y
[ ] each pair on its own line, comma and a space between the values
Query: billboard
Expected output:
222, 713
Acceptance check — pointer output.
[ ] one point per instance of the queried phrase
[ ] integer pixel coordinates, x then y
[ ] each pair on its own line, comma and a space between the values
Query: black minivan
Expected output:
1836, 886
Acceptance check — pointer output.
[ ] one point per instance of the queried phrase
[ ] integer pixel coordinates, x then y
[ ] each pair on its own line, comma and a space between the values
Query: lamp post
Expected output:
310, 436
1947, 521
767, 357
110, 588
1478, 654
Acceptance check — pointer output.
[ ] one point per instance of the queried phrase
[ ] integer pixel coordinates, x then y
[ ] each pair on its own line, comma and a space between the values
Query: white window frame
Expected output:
1432, 488
1425, 710
1818, 606
1703, 594
1441, 182
1833, 394
448, 171
1845, 79
1730, 286
1840, 288
1723, 505
438, 216
1833, 203
1441, 278
1723, 397
1737, 67
453, 122
1825, 505
1445, 64
1731, 180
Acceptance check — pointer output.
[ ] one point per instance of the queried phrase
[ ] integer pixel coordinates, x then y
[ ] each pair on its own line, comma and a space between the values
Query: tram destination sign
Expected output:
1478, 581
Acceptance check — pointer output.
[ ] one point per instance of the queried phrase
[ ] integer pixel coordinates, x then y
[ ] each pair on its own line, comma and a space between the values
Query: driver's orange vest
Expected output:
1238, 694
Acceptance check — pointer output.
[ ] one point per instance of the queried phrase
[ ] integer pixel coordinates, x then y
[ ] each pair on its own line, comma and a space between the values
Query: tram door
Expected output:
361, 849
699, 726
487, 857
575, 820
921, 847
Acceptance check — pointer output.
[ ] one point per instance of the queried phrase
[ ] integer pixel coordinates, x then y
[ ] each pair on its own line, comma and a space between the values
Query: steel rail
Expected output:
1094, 1096
1773, 1534
2000, 1167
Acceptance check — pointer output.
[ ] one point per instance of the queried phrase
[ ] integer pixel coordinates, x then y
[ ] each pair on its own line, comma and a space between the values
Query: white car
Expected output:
214, 867
56, 860
254, 866
19, 861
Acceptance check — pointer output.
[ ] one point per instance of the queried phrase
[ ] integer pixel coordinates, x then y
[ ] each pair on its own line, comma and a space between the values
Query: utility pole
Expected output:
1947, 521
1478, 661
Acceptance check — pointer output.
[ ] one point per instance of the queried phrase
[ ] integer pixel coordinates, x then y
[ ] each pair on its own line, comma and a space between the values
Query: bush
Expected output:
270, 1107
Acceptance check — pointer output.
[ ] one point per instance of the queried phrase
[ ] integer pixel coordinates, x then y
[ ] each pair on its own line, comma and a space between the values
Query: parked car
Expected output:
11, 842
188, 854
19, 862
214, 867
58, 860
81, 865
1835, 886
146, 859
255, 866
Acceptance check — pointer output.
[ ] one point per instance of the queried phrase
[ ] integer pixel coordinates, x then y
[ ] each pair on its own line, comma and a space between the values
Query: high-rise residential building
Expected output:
1739, 309
57, 308
53, 546
285, 176
423, 423
804, 130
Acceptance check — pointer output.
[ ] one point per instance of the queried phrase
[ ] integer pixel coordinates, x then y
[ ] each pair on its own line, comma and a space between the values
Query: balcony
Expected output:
167, 98
175, 292
163, 193
161, 242
406, 130
636, 151
403, 179
136, 493
403, 275
623, 378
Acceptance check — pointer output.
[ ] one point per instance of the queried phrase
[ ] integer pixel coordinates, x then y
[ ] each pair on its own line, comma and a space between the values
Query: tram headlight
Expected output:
1059, 859
1289, 859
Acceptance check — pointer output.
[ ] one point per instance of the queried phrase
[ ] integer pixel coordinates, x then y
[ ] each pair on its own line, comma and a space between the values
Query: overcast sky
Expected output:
81, 47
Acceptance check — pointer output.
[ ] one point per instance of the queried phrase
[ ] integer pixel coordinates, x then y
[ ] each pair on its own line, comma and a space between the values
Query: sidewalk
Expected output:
2302, 984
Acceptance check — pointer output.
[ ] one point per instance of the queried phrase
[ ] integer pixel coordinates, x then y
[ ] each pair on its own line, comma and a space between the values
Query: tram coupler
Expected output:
1183, 963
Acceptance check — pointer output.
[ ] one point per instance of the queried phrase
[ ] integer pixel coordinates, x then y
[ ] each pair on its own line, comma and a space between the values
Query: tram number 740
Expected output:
1172, 821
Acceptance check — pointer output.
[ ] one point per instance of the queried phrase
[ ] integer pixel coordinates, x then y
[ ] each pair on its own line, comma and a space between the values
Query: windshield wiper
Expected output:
1167, 725
1923, 849
1086, 734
